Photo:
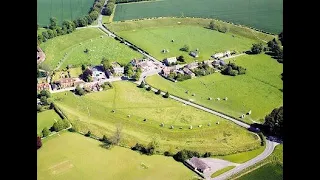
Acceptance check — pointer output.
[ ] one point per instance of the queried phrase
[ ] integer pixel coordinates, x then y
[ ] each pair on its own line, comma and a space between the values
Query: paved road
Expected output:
269, 149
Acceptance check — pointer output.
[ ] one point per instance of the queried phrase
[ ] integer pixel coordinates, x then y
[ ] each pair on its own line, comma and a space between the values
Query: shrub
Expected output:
183, 155
166, 95
149, 88
88, 134
45, 132
207, 154
185, 48
167, 153
142, 84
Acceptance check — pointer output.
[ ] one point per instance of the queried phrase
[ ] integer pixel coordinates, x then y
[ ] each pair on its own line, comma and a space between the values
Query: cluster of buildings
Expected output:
144, 64
189, 68
99, 76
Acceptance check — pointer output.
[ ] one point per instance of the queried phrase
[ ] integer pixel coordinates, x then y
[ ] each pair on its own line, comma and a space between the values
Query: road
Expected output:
269, 149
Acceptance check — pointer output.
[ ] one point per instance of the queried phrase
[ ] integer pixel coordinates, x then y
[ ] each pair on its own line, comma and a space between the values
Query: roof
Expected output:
171, 59
186, 70
66, 80
194, 53
43, 85
198, 163
192, 65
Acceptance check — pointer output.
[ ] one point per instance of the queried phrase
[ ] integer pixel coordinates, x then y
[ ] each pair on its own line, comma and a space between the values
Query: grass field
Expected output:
267, 172
46, 119
259, 90
261, 14
271, 169
242, 157
209, 42
93, 112
221, 171
71, 48
62, 10
73, 156
74, 73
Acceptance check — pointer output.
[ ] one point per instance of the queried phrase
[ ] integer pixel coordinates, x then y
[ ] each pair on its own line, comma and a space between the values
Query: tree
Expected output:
181, 59
185, 48
94, 15
166, 95
79, 91
137, 76
39, 143
256, 48
45, 93
106, 64
83, 67
45, 35
45, 132
50, 34
53, 23
87, 75
59, 125
212, 25
274, 122
142, 84
39, 108
148, 88
40, 37
115, 139
281, 37
158, 92
43, 99
89, 20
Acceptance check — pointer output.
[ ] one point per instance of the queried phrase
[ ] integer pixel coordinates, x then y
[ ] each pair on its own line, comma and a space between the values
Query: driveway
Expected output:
215, 165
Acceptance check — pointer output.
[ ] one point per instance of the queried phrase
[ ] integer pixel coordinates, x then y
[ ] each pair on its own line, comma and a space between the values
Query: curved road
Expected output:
269, 144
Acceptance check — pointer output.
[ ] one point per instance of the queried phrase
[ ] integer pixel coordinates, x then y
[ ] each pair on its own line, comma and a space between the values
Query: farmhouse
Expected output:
197, 165
218, 63
166, 71
145, 65
218, 55
43, 86
187, 71
194, 54
98, 73
117, 68
168, 61
65, 82
78, 82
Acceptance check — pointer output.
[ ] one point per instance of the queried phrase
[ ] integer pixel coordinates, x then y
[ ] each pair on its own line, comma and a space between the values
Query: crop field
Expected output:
207, 41
94, 112
266, 172
73, 156
61, 9
259, 90
261, 14
69, 49
46, 119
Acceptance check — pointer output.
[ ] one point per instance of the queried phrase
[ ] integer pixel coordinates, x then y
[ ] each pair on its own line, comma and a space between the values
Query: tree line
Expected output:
53, 29
108, 10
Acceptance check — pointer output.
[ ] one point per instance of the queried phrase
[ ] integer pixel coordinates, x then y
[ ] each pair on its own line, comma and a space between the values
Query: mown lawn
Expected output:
94, 112
242, 157
73, 156
259, 90
46, 119
209, 42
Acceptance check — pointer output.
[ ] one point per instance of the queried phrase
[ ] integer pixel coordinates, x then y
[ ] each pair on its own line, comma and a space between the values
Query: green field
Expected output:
209, 42
261, 14
221, 171
259, 90
271, 169
242, 157
94, 112
266, 172
62, 10
70, 48
46, 119
73, 156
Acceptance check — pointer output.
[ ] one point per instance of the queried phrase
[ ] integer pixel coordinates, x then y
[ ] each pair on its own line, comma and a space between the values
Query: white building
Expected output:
170, 60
